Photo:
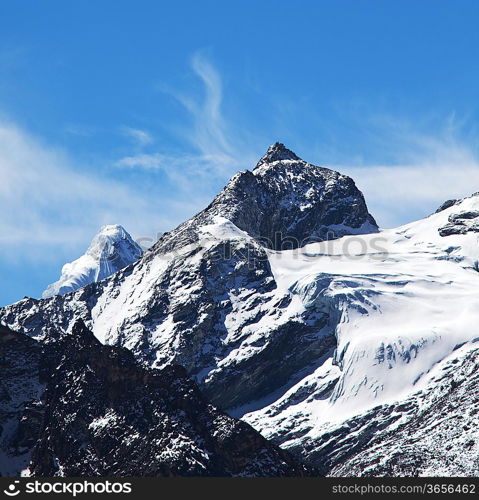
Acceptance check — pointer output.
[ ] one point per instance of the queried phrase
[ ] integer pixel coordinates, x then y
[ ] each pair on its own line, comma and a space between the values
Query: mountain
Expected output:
205, 297
328, 339
111, 249
77, 408
284, 202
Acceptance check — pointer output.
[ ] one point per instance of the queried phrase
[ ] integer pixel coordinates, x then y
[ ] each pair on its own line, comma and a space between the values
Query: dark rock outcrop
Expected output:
461, 223
447, 204
75, 407
20, 406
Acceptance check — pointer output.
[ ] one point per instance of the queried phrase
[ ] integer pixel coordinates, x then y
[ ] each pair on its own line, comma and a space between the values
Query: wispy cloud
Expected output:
51, 205
215, 148
138, 136
144, 161
422, 163
425, 170
210, 135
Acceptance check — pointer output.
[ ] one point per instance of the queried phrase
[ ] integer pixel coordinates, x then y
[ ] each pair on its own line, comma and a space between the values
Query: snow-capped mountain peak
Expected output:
283, 200
111, 249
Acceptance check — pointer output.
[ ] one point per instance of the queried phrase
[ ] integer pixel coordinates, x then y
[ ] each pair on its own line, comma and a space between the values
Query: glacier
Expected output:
402, 312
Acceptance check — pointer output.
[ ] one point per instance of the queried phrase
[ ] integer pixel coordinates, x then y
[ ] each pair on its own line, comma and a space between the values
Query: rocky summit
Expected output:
284, 202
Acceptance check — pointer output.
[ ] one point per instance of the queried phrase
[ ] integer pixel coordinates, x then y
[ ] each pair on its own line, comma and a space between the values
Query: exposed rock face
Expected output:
289, 197
79, 408
111, 249
283, 203
20, 407
461, 223
447, 204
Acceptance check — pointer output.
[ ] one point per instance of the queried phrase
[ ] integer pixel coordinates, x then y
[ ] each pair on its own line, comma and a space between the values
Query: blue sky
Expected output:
138, 112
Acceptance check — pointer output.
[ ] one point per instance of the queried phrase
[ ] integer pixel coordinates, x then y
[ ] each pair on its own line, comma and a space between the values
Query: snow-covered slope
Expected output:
405, 299
302, 343
433, 432
111, 249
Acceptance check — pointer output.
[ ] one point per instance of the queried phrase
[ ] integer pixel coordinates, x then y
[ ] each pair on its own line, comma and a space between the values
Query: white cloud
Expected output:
144, 161
210, 135
419, 171
438, 168
140, 137
400, 194
50, 205
215, 154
